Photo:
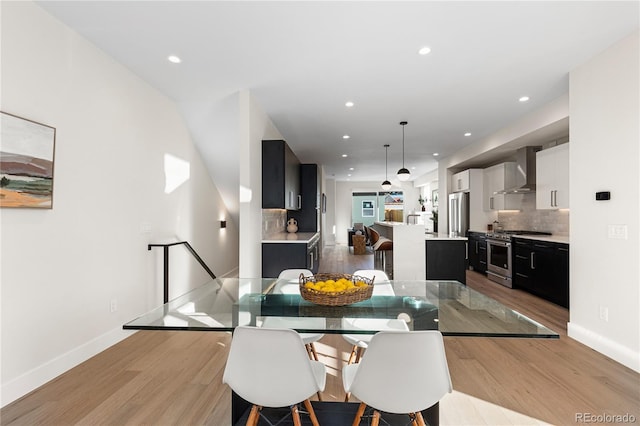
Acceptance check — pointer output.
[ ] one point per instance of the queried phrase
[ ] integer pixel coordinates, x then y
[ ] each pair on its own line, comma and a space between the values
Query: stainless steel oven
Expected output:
499, 267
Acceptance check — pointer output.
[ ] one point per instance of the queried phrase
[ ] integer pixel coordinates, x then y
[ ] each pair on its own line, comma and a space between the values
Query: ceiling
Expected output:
303, 60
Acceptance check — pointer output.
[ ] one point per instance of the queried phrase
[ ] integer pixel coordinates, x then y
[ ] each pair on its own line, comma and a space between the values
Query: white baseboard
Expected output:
42, 374
605, 346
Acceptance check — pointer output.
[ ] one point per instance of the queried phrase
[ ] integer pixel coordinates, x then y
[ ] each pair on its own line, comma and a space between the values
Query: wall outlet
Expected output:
113, 306
604, 313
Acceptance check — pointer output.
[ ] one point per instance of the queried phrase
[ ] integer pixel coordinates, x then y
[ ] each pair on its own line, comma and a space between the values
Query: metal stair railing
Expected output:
166, 263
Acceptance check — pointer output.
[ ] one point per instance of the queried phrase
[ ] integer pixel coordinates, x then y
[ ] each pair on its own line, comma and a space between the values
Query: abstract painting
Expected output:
26, 162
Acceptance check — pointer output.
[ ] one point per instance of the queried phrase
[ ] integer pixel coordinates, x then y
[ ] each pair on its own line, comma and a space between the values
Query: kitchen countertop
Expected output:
441, 237
295, 237
484, 231
389, 223
564, 239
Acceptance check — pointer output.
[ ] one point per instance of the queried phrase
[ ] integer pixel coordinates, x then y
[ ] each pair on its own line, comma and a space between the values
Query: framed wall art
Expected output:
26, 162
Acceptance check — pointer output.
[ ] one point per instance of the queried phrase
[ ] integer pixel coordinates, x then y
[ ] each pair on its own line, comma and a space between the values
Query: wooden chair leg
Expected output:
352, 355
412, 417
313, 355
359, 413
254, 414
311, 349
420, 419
312, 414
358, 351
295, 415
376, 418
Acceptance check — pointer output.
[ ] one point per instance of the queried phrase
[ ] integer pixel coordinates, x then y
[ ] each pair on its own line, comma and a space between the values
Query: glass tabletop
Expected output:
449, 306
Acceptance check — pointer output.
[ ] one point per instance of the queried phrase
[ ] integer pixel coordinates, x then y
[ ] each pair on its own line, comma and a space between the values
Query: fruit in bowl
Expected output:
331, 286
335, 289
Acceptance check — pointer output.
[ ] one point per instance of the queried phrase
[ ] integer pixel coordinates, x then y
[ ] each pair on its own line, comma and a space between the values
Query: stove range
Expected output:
507, 234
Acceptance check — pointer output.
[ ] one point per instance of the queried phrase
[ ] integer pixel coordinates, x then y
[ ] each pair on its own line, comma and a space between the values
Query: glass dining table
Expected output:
448, 306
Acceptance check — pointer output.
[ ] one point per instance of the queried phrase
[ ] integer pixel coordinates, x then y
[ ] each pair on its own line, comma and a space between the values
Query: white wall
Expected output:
605, 135
62, 267
329, 226
255, 126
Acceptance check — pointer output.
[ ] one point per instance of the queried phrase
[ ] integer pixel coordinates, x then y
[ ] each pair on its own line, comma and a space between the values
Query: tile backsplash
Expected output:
274, 221
554, 221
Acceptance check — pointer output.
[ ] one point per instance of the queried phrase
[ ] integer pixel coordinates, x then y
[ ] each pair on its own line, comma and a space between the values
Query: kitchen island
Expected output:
418, 254
446, 258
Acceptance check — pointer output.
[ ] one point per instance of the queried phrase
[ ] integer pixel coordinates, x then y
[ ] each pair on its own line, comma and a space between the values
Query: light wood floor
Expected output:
174, 378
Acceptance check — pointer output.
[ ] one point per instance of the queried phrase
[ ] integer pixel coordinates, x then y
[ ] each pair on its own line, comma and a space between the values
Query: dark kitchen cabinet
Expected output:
478, 251
542, 268
279, 256
280, 176
447, 260
308, 217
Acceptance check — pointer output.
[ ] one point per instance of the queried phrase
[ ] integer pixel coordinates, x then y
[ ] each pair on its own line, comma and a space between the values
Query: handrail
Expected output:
166, 263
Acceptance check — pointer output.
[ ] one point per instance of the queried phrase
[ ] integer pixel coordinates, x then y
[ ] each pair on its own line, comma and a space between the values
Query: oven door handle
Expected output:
499, 243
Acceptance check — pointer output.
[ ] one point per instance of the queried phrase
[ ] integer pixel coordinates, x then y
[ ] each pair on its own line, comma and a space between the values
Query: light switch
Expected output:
617, 232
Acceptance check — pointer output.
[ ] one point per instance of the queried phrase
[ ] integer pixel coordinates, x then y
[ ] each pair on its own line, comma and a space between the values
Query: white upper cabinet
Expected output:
498, 178
460, 182
552, 178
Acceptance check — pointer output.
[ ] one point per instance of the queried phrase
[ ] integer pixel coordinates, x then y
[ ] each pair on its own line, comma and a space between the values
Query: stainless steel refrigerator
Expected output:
458, 214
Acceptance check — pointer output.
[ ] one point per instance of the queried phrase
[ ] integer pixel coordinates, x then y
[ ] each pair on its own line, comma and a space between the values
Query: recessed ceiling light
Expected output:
344, 155
424, 50
174, 59
435, 154
349, 174
351, 168
524, 99
467, 134
346, 137
349, 104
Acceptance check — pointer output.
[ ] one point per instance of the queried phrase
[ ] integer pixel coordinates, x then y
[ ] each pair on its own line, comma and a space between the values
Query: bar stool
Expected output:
382, 259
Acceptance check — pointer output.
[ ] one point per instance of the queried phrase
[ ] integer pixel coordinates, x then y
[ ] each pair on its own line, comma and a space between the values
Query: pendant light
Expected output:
386, 185
403, 173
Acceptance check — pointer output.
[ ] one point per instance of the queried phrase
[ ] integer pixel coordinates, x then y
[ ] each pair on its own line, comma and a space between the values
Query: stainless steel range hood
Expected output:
525, 180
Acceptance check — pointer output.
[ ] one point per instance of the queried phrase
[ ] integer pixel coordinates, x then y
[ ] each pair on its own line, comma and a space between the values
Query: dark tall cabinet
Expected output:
280, 176
307, 216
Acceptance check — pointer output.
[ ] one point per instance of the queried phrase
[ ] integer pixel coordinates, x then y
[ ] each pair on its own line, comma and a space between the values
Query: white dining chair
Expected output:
381, 287
403, 373
360, 342
381, 283
288, 282
372, 273
269, 368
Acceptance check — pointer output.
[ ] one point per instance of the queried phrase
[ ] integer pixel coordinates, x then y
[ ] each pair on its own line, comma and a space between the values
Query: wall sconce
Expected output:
223, 224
